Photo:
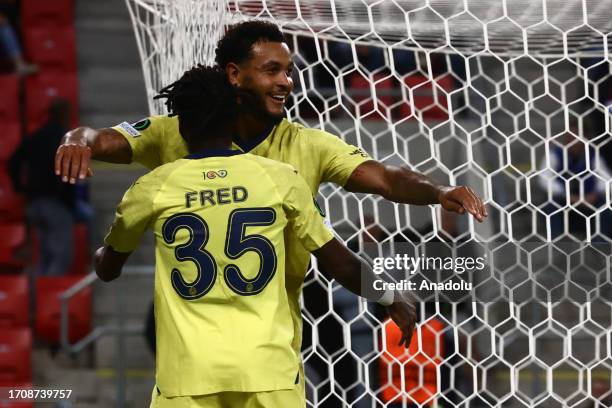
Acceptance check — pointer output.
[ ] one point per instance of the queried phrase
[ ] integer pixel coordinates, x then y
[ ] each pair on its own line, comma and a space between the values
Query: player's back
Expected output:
222, 315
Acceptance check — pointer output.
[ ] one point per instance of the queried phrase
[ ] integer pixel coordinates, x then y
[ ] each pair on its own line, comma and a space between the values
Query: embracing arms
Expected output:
80, 145
336, 261
405, 186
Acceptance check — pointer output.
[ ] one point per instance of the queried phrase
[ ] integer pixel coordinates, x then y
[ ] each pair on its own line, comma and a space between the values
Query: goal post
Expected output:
511, 98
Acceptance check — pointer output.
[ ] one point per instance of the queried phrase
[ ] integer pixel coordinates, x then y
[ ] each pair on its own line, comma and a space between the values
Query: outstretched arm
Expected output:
337, 262
401, 185
80, 145
108, 263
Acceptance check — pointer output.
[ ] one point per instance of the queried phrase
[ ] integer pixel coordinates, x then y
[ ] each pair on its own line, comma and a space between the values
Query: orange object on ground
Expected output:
420, 366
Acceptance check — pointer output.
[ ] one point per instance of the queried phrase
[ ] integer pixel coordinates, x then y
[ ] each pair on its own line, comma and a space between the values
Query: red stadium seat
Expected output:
15, 356
14, 304
9, 99
41, 89
47, 326
430, 105
13, 239
36, 13
10, 136
80, 262
51, 48
11, 203
383, 89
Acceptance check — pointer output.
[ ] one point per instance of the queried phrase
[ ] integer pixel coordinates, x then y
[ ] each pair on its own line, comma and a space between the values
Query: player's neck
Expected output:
220, 143
249, 126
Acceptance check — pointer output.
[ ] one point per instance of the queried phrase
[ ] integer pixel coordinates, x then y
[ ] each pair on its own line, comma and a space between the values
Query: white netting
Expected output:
173, 36
508, 97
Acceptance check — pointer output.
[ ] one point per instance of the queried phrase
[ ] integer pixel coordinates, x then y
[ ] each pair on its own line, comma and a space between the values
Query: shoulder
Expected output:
320, 141
159, 175
282, 174
151, 125
269, 165
161, 121
299, 130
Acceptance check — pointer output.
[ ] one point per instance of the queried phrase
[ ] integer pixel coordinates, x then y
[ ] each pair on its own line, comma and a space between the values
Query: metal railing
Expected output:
119, 329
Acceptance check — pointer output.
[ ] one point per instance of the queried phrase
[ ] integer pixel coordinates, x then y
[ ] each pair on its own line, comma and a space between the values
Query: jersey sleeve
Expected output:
338, 159
133, 215
303, 216
145, 138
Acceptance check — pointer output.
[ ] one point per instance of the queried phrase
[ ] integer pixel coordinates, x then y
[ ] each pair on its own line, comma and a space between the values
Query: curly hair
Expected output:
204, 101
236, 44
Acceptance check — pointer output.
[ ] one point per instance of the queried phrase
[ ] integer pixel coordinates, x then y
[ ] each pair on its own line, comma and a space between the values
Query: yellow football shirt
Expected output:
318, 157
221, 307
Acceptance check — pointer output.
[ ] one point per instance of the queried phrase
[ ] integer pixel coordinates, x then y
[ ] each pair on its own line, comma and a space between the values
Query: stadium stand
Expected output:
48, 40
36, 13
13, 239
11, 203
14, 301
47, 325
9, 99
428, 97
80, 262
11, 135
41, 89
383, 87
15, 356
51, 48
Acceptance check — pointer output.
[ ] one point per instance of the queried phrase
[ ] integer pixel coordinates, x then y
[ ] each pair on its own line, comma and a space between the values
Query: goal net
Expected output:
508, 97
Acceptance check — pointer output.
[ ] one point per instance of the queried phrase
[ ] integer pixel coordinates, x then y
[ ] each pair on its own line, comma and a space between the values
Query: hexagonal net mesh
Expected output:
507, 97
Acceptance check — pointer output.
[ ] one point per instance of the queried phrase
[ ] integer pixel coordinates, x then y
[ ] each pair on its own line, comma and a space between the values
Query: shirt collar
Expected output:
252, 143
213, 153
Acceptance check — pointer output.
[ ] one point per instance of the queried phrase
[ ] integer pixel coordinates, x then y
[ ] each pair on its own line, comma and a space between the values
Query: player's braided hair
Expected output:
204, 101
236, 44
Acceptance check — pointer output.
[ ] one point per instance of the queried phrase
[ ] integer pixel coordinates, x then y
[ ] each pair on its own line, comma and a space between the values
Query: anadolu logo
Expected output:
212, 174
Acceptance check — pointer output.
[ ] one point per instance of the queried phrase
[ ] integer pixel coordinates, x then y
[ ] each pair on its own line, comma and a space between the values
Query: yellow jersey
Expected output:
318, 157
221, 307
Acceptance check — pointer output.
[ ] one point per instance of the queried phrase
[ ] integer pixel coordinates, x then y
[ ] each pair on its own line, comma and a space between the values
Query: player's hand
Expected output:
73, 158
461, 199
403, 312
98, 255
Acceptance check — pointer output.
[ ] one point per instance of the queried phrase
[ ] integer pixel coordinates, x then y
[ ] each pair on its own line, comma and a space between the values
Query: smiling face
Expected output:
267, 75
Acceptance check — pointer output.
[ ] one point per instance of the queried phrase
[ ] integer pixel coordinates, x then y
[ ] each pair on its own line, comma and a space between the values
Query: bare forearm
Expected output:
394, 183
337, 262
411, 187
402, 185
108, 263
106, 144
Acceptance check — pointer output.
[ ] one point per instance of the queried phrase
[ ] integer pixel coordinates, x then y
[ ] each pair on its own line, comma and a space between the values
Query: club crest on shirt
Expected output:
141, 124
213, 174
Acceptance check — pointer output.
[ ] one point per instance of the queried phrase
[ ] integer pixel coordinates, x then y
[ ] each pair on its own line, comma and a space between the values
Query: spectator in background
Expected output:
9, 46
50, 202
578, 173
